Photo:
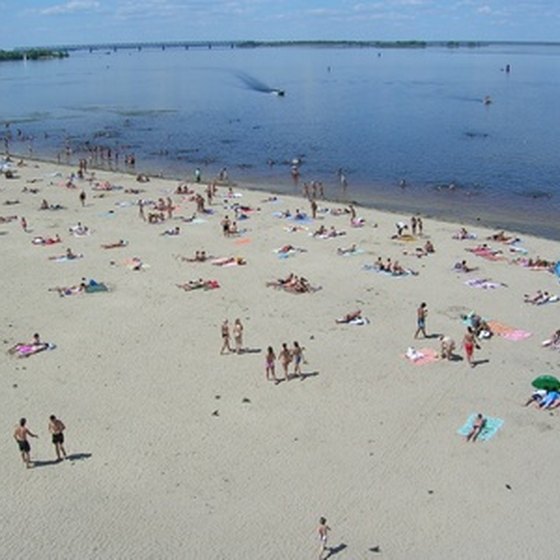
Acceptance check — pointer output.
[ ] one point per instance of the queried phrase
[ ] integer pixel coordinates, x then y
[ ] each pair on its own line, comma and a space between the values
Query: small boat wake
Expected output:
254, 84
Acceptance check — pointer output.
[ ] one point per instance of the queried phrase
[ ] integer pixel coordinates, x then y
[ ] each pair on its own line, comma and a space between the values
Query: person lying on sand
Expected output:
69, 255
11, 202
477, 427
199, 284
503, 238
463, 234
538, 298
7, 219
119, 243
292, 283
536, 397
229, 260
199, 256
174, 231
69, 291
285, 249
46, 240
188, 220
463, 267
347, 251
350, 317
25, 349
553, 341
79, 229
552, 400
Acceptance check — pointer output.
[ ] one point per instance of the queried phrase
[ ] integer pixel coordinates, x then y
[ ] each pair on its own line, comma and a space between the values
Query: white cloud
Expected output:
484, 10
71, 7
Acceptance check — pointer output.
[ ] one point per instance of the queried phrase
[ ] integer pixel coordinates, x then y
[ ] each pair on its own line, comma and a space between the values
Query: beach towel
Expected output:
486, 253
422, 356
359, 321
294, 228
95, 288
483, 283
25, 350
243, 241
488, 432
351, 253
228, 261
507, 332
64, 258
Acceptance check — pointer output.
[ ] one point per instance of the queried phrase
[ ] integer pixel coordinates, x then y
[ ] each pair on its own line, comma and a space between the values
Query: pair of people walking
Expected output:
237, 332
22, 434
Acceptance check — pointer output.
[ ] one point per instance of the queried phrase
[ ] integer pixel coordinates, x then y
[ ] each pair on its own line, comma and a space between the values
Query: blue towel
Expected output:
488, 432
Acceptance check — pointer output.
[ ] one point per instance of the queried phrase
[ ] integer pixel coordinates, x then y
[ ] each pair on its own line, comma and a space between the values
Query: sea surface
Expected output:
379, 115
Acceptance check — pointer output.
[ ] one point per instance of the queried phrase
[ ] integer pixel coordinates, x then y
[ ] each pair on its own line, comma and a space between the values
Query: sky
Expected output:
69, 22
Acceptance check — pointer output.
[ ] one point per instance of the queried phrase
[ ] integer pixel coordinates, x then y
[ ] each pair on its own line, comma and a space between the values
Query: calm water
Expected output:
414, 114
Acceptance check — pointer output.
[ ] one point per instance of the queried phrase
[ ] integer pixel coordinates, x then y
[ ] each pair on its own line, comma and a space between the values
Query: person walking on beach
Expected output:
285, 358
421, 314
297, 355
21, 433
238, 335
469, 342
83, 198
323, 531
225, 337
56, 429
269, 365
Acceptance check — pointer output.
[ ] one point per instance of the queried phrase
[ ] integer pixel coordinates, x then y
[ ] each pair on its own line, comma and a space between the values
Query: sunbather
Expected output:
477, 428
348, 251
120, 243
350, 317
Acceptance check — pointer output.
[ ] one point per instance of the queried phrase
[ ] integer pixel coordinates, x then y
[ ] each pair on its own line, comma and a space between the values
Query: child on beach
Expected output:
269, 365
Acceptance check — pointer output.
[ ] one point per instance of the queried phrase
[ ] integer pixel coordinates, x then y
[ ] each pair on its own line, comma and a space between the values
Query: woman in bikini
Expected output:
285, 358
269, 365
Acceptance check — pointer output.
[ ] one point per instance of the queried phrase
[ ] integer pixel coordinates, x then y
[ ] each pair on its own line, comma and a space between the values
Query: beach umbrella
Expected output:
547, 382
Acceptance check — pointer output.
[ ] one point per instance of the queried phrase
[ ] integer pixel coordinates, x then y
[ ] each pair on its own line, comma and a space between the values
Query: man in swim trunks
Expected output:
56, 428
421, 313
20, 435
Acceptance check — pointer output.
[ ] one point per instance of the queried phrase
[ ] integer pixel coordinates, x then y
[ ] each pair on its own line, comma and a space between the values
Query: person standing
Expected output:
469, 342
297, 355
56, 428
238, 335
269, 365
421, 314
323, 531
225, 337
285, 358
21, 433
83, 198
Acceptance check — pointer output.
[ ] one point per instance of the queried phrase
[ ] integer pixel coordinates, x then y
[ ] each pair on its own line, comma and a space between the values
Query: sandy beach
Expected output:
177, 451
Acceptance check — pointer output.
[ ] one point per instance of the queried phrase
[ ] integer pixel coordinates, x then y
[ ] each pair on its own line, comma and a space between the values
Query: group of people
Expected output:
292, 283
286, 357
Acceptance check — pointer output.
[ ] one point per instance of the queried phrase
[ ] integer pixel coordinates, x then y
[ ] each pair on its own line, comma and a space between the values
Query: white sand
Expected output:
369, 442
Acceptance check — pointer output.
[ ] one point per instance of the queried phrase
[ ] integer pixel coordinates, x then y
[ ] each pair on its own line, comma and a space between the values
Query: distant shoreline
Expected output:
250, 44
